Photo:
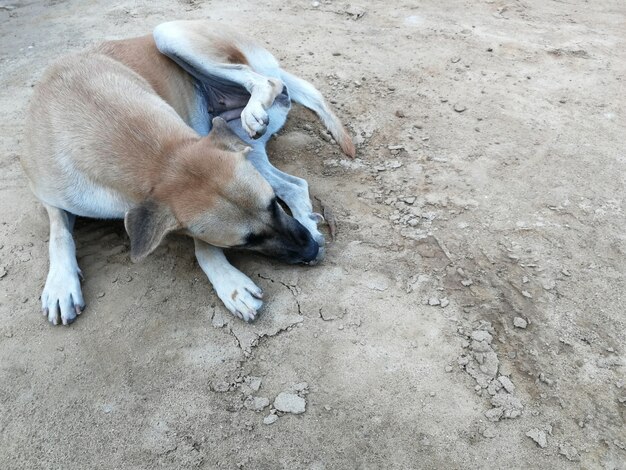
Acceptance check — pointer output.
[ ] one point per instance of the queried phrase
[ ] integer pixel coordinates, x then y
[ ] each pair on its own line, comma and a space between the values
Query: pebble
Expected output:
565, 272
519, 322
459, 108
220, 387
444, 302
548, 284
506, 383
314, 5
538, 436
254, 383
100, 294
527, 294
570, 452
270, 419
481, 335
433, 301
494, 414
256, 403
454, 60
400, 113
467, 282
448, 369
290, 403
218, 320
3, 271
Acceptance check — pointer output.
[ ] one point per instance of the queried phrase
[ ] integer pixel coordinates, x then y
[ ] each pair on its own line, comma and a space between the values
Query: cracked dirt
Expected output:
469, 313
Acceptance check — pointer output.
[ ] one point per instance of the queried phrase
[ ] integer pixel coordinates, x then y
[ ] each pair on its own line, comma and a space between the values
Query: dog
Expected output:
168, 131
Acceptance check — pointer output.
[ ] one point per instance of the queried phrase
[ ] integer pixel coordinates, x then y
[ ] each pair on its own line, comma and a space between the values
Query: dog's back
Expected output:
89, 109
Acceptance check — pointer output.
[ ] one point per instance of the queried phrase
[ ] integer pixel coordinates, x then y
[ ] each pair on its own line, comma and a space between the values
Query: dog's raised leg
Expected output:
238, 293
215, 62
62, 295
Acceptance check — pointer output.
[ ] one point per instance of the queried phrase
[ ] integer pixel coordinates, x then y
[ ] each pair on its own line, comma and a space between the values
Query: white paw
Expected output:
240, 295
62, 297
254, 119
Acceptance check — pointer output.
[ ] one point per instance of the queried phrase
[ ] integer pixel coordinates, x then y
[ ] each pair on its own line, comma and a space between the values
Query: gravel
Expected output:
539, 437
290, 403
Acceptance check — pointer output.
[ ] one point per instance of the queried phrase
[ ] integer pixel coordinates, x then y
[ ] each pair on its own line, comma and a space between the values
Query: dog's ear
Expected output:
146, 225
225, 139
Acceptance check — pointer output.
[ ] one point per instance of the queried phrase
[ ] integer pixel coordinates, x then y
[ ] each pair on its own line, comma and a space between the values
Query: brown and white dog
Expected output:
168, 132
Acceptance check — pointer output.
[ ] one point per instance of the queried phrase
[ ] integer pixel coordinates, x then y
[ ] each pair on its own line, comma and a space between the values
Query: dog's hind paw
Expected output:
254, 120
62, 299
240, 295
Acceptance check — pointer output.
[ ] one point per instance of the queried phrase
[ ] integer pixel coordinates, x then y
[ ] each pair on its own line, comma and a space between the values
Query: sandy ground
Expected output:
488, 193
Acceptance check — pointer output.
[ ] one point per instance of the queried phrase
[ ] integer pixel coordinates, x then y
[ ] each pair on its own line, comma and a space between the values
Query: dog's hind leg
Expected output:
62, 296
238, 293
222, 67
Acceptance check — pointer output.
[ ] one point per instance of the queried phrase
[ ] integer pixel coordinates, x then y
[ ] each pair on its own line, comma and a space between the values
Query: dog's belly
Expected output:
84, 198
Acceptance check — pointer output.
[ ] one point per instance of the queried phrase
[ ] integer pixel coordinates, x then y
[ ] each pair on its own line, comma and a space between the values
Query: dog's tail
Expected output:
302, 92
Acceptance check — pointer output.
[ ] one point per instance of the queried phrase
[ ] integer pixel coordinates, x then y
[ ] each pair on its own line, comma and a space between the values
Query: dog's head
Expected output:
213, 193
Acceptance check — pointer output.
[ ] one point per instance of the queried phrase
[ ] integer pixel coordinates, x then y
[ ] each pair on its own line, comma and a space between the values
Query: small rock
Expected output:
400, 113
314, 5
395, 147
494, 414
270, 419
519, 322
3, 272
489, 432
548, 284
467, 282
525, 280
538, 436
220, 387
444, 302
100, 294
256, 403
527, 294
433, 301
107, 408
254, 383
336, 54
481, 335
565, 272
454, 60
410, 200
448, 369
301, 388
8, 334
290, 403
459, 108
506, 383
570, 452
218, 320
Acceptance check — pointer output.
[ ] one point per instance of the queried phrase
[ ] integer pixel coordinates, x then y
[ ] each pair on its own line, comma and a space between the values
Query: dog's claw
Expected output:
317, 217
79, 309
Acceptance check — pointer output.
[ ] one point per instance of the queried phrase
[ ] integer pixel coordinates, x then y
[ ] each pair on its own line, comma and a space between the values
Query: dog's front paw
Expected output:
62, 297
240, 295
254, 120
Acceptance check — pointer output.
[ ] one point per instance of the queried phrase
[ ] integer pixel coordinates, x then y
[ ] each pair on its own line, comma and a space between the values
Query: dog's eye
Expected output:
254, 239
273, 206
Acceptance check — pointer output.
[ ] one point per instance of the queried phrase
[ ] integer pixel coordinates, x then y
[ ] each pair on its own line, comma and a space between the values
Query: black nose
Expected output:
311, 251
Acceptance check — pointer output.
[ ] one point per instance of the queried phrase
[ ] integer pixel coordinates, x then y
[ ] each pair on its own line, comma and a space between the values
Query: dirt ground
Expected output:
469, 314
